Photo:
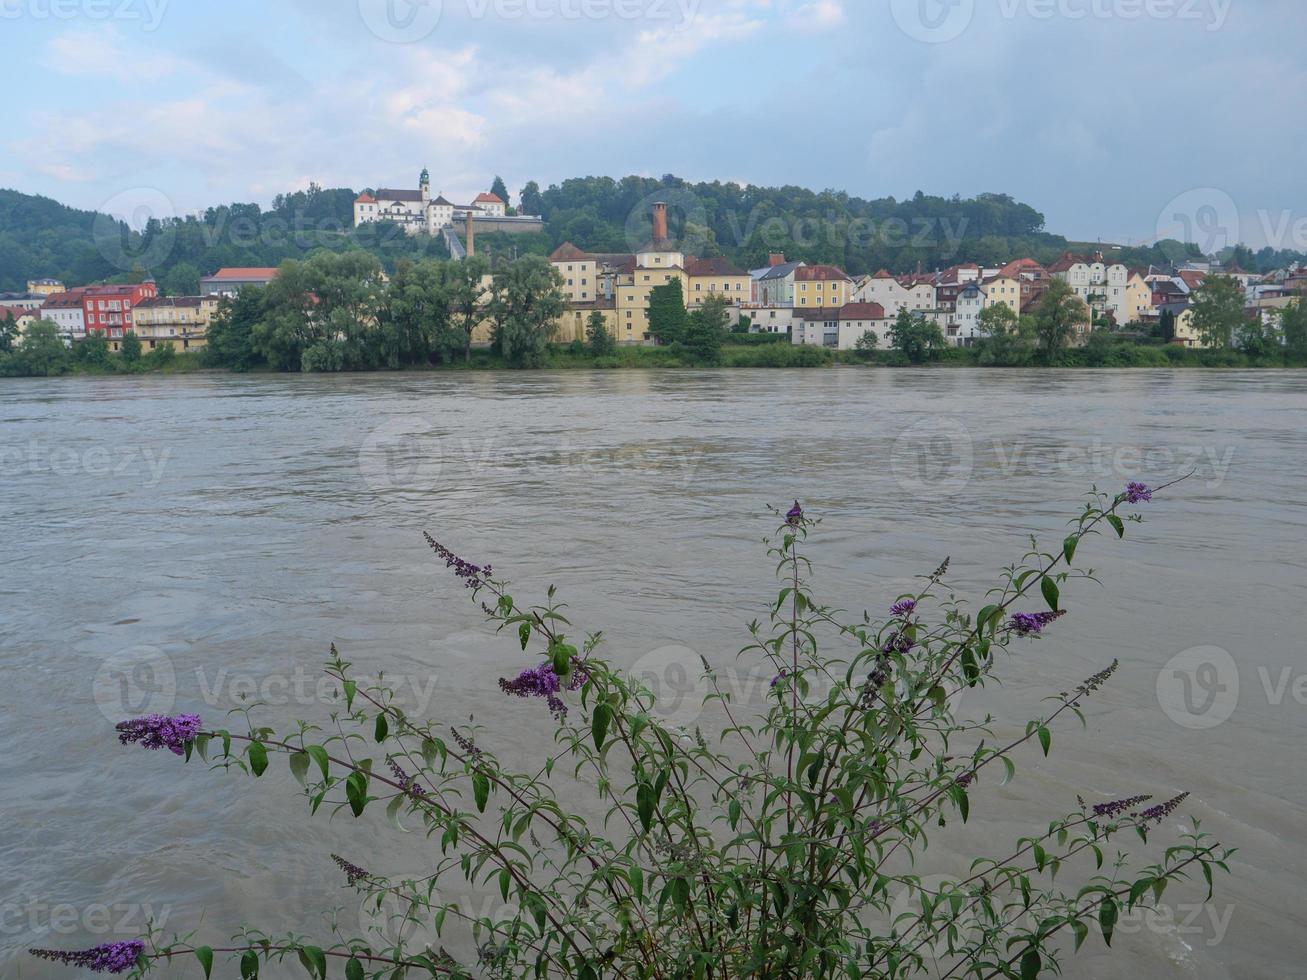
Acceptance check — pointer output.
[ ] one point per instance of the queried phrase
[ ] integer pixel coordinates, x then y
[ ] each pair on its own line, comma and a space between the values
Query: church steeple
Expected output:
424, 184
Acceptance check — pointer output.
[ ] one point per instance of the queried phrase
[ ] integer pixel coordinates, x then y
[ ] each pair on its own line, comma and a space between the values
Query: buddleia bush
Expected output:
792, 843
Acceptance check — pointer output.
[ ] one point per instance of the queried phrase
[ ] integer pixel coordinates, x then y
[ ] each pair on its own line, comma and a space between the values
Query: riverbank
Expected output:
764, 355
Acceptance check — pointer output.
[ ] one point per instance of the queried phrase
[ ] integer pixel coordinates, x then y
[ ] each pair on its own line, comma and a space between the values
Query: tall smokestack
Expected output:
471, 236
660, 223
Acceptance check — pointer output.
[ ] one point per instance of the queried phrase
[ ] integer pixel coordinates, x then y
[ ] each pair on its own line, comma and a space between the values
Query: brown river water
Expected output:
174, 544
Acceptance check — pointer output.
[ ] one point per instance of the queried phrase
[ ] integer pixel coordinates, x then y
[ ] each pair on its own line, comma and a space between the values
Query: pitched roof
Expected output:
488, 198
442, 202
820, 273
241, 275
862, 311
1015, 268
365, 198
781, 271
712, 267
389, 194
567, 252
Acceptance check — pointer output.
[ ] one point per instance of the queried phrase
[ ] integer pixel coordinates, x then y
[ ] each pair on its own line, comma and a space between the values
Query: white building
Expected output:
67, 312
916, 294
1102, 285
417, 212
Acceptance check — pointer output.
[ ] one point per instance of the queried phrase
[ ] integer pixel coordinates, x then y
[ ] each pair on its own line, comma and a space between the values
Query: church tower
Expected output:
424, 183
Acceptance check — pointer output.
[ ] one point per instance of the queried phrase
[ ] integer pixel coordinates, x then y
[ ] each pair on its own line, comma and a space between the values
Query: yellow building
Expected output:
1185, 332
822, 286
1138, 299
179, 322
1004, 290
716, 277
44, 287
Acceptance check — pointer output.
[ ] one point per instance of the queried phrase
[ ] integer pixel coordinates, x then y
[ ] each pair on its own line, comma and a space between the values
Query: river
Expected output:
176, 543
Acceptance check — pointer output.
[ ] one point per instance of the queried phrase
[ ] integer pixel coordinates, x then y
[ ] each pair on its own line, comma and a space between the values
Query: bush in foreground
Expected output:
792, 844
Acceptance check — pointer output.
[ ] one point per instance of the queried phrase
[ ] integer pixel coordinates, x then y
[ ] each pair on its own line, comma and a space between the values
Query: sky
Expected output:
1120, 120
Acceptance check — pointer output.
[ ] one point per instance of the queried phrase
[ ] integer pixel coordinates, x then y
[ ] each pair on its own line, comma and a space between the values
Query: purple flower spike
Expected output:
542, 682
110, 958
473, 576
1032, 624
1138, 493
904, 608
160, 732
795, 515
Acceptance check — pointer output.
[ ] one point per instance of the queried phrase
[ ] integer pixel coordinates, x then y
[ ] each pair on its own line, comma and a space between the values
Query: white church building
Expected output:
417, 211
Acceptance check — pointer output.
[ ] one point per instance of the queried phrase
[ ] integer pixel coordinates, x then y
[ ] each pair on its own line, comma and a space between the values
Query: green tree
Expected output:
499, 189
530, 200
42, 352
527, 300
1293, 326
600, 341
130, 349
1007, 340
667, 316
706, 329
1059, 313
231, 334
1257, 338
467, 295
1218, 311
867, 343
92, 351
161, 356
417, 314
920, 339
182, 279
8, 334
330, 304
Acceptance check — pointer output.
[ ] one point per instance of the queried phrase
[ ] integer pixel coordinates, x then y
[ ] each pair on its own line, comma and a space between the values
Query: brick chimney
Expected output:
775, 259
660, 223
471, 236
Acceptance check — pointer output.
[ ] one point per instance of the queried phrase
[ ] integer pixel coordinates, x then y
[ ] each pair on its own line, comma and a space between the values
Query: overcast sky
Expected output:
1116, 118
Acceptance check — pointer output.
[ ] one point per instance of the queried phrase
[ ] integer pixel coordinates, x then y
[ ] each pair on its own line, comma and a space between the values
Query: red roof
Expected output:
862, 311
819, 273
365, 198
1014, 269
712, 267
488, 198
567, 252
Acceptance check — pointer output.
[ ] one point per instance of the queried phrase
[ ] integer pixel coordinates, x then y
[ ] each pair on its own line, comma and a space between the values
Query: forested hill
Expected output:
40, 237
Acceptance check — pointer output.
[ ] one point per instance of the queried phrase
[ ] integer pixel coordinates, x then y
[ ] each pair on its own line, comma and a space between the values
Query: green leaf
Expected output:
205, 955
1069, 548
250, 966
382, 728
1031, 964
1107, 919
356, 791
1045, 739
645, 798
392, 811
986, 614
258, 758
351, 688
354, 970
481, 790
299, 767
319, 755
524, 634
603, 714
1051, 594
316, 961
1117, 523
